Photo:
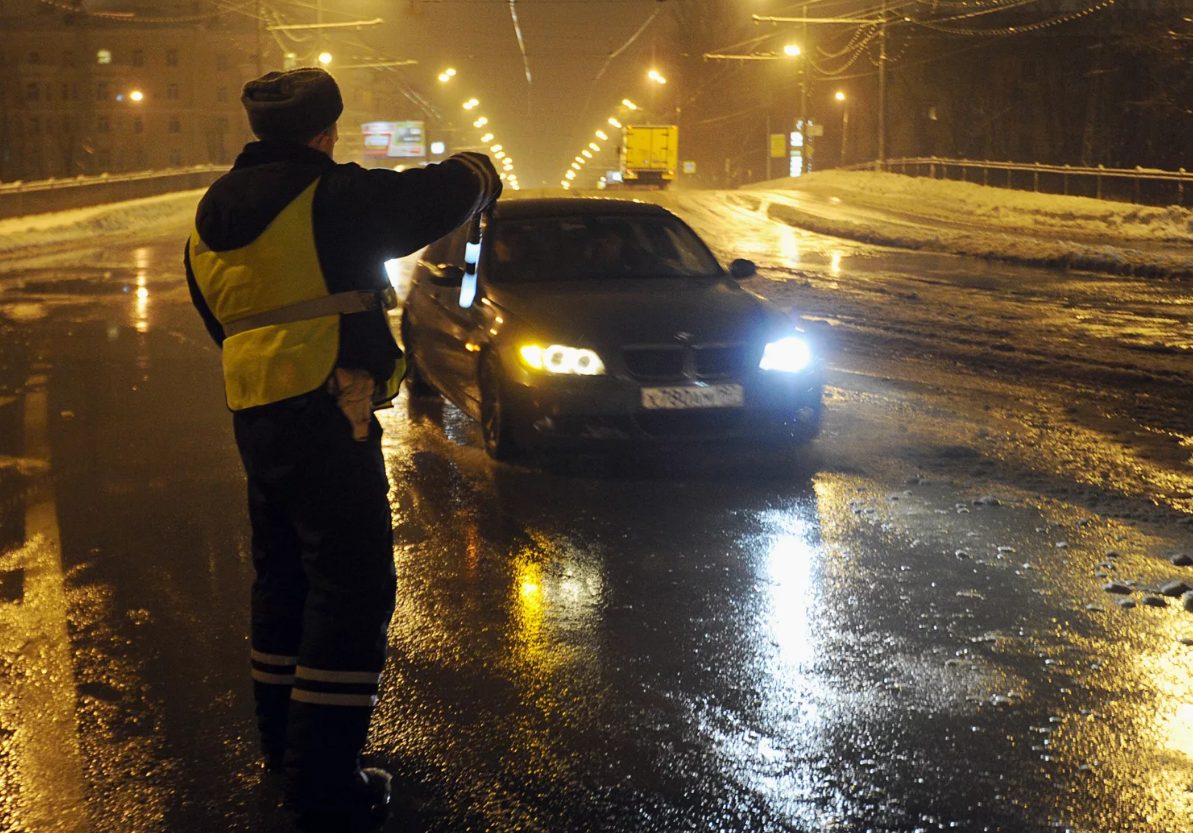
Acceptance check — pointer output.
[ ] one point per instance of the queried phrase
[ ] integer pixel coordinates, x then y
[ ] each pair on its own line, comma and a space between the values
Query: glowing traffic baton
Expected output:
472, 254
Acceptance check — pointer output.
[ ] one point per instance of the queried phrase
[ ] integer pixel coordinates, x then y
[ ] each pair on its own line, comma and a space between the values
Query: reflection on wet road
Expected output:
908, 631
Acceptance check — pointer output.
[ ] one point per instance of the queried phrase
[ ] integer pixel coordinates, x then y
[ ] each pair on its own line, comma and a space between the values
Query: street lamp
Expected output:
325, 58
136, 95
614, 122
840, 96
625, 102
470, 103
654, 76
481, 122
488, 137
792, 51
594, 146
602, 135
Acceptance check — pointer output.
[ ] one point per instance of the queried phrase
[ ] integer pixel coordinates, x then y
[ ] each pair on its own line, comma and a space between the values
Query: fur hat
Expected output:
297, 104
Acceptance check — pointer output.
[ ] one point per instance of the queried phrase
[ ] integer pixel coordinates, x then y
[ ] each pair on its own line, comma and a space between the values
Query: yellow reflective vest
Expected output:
279, 269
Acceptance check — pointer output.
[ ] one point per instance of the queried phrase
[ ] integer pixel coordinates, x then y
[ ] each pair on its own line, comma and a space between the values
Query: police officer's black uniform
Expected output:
285, 237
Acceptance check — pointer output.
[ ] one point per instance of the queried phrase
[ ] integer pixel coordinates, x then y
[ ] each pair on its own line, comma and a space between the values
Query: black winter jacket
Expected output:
362, 218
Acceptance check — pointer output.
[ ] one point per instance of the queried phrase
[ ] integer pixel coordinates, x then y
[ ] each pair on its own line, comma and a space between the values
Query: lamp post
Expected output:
840, 96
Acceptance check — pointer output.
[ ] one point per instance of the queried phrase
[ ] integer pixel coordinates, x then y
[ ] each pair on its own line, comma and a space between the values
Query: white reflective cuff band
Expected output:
272, 659
323, 698
272, 679
346, 677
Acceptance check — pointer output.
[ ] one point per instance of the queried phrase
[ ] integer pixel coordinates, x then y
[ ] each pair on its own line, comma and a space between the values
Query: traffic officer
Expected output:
285, 266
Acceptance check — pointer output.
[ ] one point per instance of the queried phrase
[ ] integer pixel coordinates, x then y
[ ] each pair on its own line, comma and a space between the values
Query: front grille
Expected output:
720, 361
655, 363
675, 363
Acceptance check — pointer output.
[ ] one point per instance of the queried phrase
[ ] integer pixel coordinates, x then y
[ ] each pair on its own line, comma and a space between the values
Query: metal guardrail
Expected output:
1146, 186
18, 199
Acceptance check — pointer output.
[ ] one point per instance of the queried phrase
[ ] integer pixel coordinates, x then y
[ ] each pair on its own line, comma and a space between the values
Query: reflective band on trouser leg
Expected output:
336, 688
273, 669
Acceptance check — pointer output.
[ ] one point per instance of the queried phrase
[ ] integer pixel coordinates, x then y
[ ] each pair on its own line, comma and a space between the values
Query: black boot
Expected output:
361, 807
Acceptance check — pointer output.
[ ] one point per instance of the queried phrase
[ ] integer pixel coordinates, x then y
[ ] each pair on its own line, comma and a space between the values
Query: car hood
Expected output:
643, 311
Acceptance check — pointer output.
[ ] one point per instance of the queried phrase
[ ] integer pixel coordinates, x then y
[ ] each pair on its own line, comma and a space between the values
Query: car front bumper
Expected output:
563, 411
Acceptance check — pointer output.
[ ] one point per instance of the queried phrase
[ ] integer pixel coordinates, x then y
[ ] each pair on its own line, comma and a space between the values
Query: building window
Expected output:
68, 59
101, 91
34, 58
34, 126
102, 125
138, 125
221, 62
175, 156
103, 56
138, 57
172, 91
171, 57
221, 95
175, 125
32, 92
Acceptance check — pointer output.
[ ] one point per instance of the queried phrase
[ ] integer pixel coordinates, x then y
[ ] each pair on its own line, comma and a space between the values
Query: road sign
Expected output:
689, 167
815, 130
778, 145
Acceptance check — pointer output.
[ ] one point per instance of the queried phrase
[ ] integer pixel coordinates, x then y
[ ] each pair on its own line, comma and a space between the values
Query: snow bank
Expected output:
998, 209
148, 215
995, 223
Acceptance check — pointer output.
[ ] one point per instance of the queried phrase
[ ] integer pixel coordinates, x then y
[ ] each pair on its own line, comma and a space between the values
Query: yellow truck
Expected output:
649, 155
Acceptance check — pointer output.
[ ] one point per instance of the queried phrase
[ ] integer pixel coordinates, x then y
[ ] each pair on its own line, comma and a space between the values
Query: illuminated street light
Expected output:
481, 122
488, 137
627, 103
615, 122
576, 165
444, 78
136, 95
499, 155
495, 148
594, 146
658, 79
587, 153
840, 96
581, 159
325, 58
449, 72
470, 103
570, 174
600, 134
791, 50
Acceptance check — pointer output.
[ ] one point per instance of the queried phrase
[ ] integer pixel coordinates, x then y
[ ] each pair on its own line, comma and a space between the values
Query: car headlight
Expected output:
787, 355
562, 360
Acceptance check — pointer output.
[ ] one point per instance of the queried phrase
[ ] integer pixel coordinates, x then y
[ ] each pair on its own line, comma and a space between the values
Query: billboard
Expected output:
394, 139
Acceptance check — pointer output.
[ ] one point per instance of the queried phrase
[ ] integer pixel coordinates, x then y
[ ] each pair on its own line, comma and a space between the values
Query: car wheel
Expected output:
417, 384
495, 427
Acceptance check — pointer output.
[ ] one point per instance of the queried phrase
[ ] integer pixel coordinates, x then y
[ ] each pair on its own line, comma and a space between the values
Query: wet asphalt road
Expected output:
904, 631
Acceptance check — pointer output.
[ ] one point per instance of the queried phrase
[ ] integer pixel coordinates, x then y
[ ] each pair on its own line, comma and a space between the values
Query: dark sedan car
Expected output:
599, 321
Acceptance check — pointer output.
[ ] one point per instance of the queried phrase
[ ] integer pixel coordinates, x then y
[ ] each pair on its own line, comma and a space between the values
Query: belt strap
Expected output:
341, 303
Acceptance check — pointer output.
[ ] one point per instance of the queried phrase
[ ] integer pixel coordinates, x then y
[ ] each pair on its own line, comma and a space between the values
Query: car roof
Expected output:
572, 206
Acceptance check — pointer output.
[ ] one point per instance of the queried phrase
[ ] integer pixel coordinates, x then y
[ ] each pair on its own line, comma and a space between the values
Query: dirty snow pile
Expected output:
163, 213
970, 219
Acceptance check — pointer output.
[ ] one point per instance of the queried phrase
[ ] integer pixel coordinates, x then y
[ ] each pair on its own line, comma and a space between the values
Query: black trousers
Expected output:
324, 590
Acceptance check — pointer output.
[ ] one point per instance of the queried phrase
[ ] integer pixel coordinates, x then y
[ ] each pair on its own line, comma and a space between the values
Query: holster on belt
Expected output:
353, 390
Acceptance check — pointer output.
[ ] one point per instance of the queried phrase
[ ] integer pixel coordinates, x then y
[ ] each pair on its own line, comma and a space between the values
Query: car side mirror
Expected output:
742, 268
444, 274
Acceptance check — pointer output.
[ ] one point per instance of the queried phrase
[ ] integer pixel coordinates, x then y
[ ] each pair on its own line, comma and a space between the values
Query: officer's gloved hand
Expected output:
491, 180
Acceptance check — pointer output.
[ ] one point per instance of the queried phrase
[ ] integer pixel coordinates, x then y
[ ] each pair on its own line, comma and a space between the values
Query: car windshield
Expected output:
578, 248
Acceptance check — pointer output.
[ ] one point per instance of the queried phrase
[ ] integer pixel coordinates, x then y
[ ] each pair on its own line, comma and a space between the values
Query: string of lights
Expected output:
1019, 28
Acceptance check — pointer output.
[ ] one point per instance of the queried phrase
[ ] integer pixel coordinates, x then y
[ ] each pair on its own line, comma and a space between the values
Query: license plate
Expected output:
692, 396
